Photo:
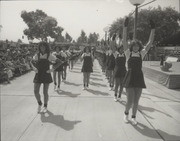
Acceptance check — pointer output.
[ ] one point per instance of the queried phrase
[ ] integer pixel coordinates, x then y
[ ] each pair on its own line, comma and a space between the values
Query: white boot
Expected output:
39, 109
126, 118
133, 120
44, 110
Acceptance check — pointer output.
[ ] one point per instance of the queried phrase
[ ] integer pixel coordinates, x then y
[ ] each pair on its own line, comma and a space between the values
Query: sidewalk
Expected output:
87, 115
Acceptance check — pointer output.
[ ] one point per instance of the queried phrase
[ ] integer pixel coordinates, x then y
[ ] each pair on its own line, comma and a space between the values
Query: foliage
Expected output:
166, 21
59, 37
68, 38
19, 41
93, 38
82, 38
40, 25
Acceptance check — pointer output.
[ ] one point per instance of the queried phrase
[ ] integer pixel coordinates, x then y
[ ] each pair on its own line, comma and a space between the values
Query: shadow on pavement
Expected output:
94, 78
58, 120
150, 109
95, 92
177, 90
158, 97
61, 92
76, 71
93, 74
94, 71
75, 68
97, 84
70, 83
146, 131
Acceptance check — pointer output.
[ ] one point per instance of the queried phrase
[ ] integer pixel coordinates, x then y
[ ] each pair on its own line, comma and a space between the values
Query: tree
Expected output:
59, 37
68, 37
82, 38
116, 27
19, 41
166, 21
40, 25
93, 38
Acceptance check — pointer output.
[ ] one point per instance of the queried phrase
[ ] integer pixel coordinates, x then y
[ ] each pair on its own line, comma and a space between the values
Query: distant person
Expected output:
43, 75
111, 63
87, 67
110, 68
119, 72
58, 70
65, 64
134, 79
71, 59
162, 60
104, 61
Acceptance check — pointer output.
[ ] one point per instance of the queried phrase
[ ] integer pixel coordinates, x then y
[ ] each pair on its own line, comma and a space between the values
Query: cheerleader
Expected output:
111, 63
87, 66
119, 72
134, 79
65, 64
59, 69
43, 73
106, 63
71, 59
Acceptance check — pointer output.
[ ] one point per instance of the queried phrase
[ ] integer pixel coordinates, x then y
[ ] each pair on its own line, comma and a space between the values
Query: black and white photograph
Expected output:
90, 70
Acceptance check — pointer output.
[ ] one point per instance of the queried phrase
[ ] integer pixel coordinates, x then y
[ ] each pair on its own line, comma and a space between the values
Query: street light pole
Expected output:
135, 22
136, 3
105, 36
106, 29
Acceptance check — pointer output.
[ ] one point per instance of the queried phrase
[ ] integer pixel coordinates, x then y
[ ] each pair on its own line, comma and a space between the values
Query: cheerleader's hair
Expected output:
120, 48
135, 42
46, 45
87, 48
58, 48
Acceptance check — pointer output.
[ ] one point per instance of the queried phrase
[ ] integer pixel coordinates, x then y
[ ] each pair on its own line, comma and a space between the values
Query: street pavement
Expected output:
75, 114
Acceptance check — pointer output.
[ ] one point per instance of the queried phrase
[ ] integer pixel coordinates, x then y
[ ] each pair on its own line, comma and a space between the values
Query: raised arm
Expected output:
151, 37
125, 44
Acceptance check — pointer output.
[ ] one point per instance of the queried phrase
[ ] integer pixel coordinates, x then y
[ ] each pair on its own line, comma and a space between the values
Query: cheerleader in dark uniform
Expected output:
43, 73
103, 61
59, 69
119, 72
111, 62
107, 58
110, 69
134, 79
65, 64
87, 66
71, 59
106, 63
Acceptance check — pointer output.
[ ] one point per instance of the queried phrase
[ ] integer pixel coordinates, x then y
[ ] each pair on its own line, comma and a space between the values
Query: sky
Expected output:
73, 15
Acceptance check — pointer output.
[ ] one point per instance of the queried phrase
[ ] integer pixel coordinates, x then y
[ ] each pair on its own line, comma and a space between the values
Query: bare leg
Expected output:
45, 92
137, 96
59, 78
65, 68
88, 78
121, 87
111, 73
54, 77
130, 97
84, 78
36, 92
117, 83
